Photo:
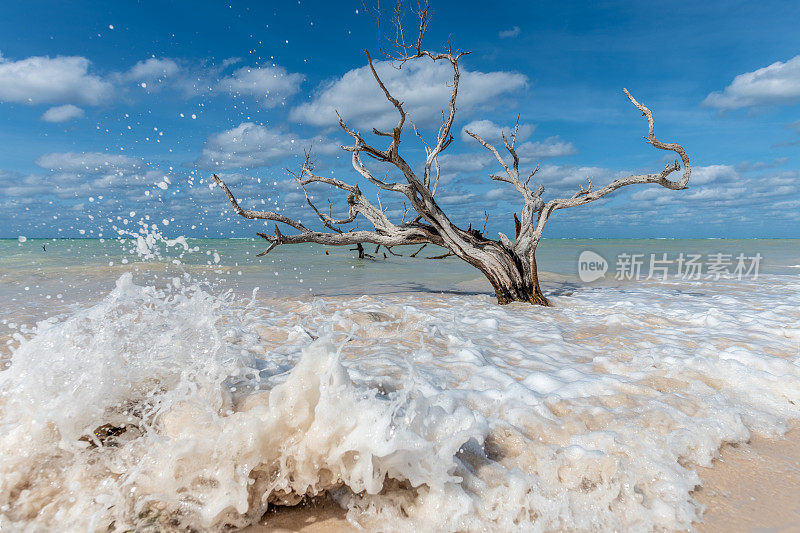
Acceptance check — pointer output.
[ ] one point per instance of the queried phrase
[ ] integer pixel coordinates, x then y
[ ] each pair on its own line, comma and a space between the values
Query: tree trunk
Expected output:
538, 298
512, 279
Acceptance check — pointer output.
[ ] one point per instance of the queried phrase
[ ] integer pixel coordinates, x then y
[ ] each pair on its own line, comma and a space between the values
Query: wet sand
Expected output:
751, 487
321, 515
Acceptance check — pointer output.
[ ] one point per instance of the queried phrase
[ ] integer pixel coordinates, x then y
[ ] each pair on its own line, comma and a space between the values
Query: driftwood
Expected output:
509, 266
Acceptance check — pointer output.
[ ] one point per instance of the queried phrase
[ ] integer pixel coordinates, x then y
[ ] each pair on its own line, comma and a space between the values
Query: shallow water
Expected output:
163, 402
37, 282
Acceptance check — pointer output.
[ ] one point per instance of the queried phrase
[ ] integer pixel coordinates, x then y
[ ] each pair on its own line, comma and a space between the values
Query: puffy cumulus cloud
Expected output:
152, 70
496, 194
62, 113
649, 194
272, 85
778, 83
51, 80
154, 74
421, 85
250, 145
713, 174
491, 132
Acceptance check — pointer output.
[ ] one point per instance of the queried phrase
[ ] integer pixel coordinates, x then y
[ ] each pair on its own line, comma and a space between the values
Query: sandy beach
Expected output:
753, 487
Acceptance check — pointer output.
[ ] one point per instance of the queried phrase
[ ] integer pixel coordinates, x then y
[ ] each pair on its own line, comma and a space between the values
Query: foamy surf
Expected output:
174, 408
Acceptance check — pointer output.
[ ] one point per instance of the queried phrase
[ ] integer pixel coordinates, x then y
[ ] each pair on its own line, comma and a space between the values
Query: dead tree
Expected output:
509, 266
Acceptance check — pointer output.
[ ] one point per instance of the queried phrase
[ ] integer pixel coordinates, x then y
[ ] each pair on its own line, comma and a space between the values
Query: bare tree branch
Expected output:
512, 172
418, 251
509, 266
260, 215
585, 196
448, 254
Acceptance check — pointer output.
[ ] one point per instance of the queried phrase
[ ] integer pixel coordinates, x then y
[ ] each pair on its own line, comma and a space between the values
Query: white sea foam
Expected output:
432, 412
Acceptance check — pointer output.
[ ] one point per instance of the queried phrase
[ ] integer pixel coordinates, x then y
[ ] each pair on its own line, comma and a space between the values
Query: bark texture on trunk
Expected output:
513, 282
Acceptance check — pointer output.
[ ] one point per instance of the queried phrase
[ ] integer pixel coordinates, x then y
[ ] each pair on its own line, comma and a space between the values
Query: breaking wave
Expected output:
174, 408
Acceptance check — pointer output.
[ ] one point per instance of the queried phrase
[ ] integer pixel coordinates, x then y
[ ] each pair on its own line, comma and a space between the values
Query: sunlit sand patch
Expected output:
753, 486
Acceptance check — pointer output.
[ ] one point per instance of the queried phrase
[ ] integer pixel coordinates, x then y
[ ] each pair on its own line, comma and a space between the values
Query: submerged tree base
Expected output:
527, 295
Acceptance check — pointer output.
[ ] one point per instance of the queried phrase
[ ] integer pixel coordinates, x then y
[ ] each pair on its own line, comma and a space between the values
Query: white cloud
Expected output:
42, 79
509, 34
550, 147
272, 85
648, 194
421, 85
14, 184
78, 175
778, 83
712, 173
747, 166
557, 178
453, 164
492, 133
715, 186
231, 61
496, 194
250, 145
469, 162
293, 198
88, 162
455, 198
62, 113
153, 74
717, 193
152, 69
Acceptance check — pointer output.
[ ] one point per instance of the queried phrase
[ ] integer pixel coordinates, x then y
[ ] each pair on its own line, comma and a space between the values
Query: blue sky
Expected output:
109, 109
